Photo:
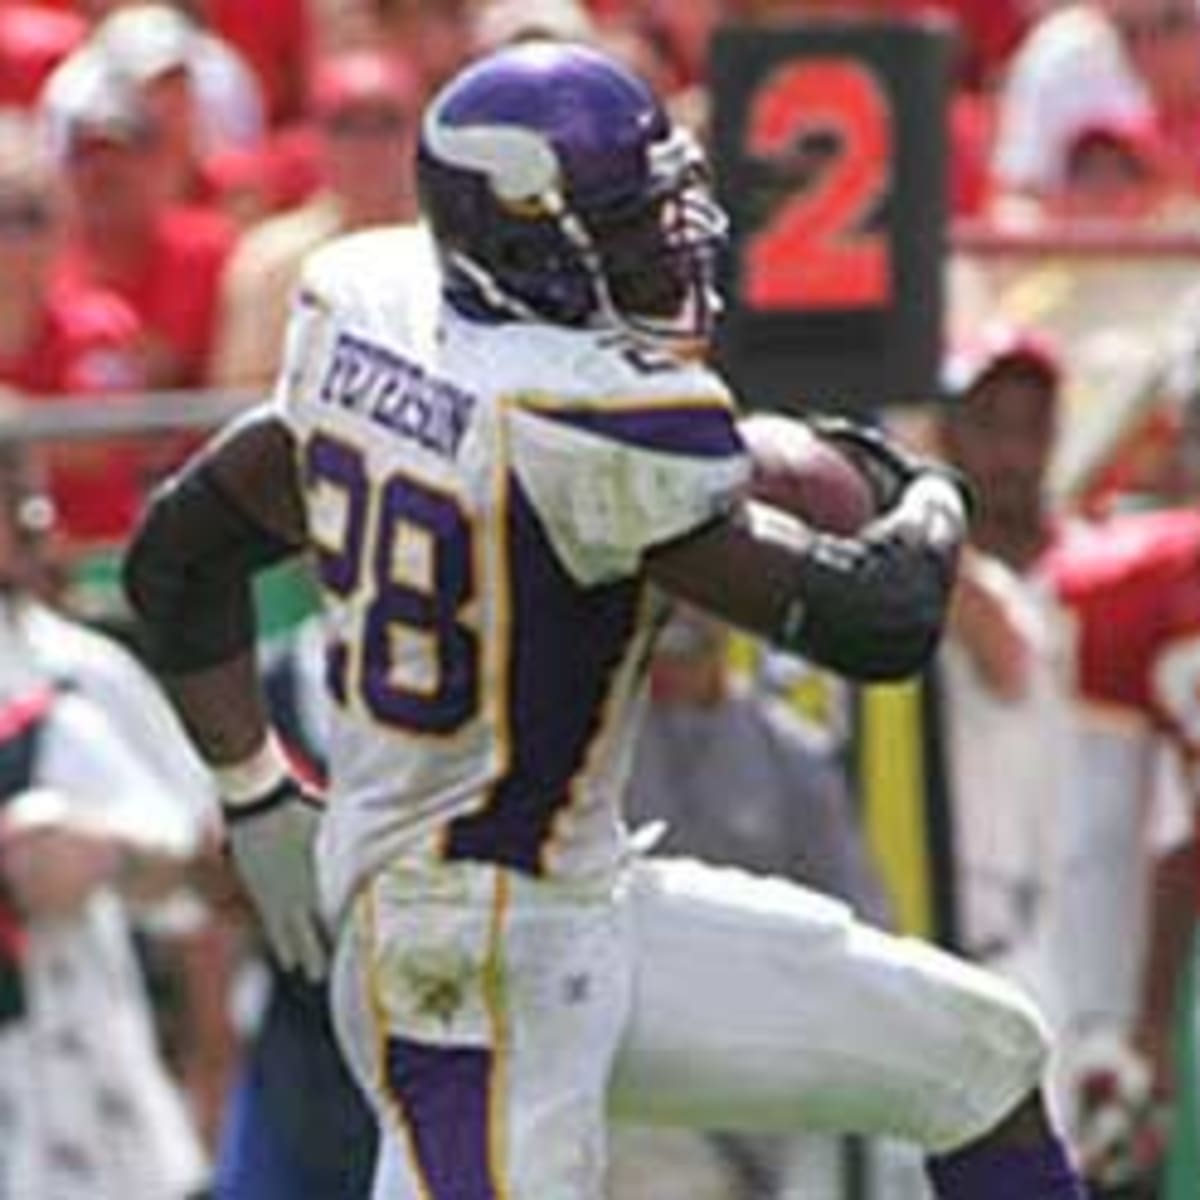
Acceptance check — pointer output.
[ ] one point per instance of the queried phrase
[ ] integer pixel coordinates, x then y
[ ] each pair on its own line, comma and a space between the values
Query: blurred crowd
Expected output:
165, 167
164, 170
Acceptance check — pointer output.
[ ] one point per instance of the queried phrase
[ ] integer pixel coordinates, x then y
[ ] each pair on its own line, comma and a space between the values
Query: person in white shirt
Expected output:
1129, 63
102, 811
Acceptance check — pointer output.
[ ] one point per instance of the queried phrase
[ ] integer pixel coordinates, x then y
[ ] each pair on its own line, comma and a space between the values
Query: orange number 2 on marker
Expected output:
813, 252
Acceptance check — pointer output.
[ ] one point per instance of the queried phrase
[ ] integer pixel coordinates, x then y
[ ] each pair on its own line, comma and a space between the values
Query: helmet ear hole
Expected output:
522, 254
541, 270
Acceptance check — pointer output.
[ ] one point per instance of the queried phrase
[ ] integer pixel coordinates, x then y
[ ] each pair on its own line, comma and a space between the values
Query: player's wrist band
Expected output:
284, 792
244, 784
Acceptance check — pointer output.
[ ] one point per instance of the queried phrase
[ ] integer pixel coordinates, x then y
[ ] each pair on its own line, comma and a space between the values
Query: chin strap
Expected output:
490, 292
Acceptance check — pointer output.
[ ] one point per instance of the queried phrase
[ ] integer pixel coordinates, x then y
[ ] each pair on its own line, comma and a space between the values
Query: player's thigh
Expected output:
760, 1004
482, 1018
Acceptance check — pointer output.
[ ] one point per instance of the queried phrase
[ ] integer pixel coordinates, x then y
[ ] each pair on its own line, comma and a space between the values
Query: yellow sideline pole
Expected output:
892, 782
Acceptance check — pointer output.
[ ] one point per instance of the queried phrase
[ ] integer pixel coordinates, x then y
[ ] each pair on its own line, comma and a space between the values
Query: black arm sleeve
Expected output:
873, 607
870, 611
188, 572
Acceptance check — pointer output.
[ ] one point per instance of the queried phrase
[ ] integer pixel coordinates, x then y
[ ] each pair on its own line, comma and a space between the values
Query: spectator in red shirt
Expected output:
63, 340
164, 260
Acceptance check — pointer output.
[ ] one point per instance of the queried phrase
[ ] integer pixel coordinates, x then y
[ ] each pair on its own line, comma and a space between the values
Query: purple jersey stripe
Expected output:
443, 1095
699, 431
567, 642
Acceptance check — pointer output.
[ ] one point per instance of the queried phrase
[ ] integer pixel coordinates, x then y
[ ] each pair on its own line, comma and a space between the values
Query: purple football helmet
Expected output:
558, 190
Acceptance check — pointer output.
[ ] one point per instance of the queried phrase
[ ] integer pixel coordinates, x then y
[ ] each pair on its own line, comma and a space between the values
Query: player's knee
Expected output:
1008, 1055
1023, 1034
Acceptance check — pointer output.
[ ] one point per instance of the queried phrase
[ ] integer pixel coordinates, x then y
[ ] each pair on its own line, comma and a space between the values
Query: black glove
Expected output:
888, 466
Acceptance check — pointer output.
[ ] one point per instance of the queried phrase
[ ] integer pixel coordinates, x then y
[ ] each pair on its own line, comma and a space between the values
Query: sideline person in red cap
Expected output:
1119, 596
999, 426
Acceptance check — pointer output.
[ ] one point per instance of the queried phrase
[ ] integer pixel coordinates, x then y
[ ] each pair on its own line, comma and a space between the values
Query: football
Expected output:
796, 470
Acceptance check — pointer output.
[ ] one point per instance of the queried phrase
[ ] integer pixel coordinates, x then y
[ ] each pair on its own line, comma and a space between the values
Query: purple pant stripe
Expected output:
442, 1092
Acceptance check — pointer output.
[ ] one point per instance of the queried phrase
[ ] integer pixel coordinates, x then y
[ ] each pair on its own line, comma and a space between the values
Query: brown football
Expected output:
803, 474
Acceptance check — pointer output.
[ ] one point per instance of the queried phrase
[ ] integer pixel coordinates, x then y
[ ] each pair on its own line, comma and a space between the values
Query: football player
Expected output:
493, 498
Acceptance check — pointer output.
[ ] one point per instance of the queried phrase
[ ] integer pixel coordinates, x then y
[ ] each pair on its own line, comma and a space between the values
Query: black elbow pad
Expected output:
871, 609
188, 570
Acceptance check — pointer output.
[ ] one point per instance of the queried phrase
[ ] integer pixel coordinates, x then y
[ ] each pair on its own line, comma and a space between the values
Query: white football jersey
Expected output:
480, 497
